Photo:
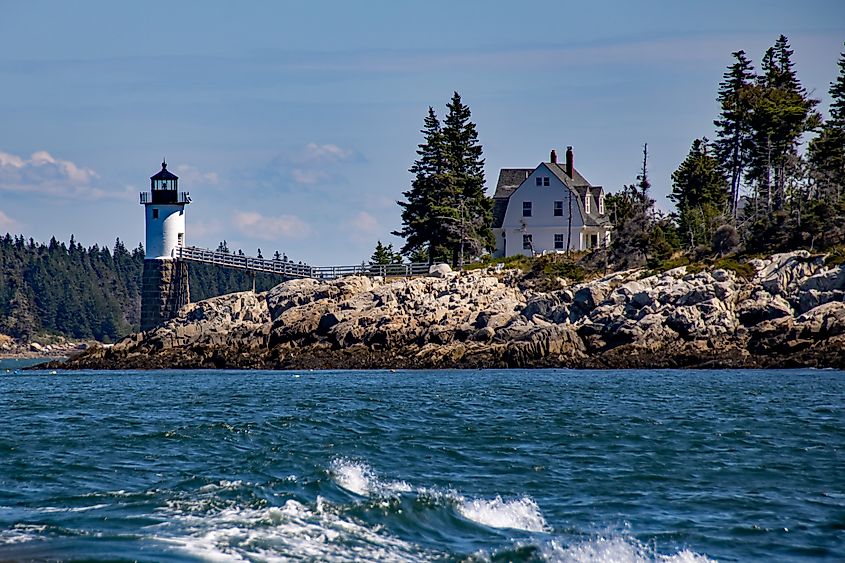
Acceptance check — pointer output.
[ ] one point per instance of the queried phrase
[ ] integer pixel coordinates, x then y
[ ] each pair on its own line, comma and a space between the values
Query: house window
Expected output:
539, 181
527, 242
558, 242
594, 241
526, 209
558, 209
545, 180
542, 180
587, 203
601, 204
155, 213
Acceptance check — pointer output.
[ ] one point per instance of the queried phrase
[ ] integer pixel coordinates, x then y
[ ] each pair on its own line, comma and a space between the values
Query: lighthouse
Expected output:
164, 285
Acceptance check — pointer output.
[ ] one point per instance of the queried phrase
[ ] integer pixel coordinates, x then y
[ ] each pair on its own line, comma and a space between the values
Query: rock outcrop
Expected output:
791, 313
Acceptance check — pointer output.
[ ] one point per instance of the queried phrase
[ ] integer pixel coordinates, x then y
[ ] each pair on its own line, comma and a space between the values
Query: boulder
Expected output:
762, 306
439, 270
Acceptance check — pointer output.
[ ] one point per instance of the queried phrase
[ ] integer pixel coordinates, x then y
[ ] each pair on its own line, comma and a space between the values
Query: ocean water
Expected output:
507, 465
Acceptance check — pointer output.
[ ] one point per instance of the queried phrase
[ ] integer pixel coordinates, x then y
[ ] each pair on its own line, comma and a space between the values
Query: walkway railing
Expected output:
293, 269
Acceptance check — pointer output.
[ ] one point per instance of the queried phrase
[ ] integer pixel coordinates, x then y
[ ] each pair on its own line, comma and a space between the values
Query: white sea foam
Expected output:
517, 514
223, 484
614, 549
22, 533
290, 532
359, 478
51, 509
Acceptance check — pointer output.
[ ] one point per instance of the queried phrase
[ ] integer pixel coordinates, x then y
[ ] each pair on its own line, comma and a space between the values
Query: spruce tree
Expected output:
446, 214
733, 128
468, 206
421, 228
782, 112
382, 254
827, 151
700, 192
640, 235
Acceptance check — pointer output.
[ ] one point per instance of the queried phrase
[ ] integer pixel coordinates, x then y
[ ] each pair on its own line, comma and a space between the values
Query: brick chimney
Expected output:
569, 161
553, 157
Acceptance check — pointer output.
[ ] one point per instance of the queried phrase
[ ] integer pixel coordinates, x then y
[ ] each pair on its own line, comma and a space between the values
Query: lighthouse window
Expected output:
155, 213
181, 238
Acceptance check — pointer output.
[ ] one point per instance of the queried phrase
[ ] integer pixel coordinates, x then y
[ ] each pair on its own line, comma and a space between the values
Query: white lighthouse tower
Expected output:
165, 215
164, 286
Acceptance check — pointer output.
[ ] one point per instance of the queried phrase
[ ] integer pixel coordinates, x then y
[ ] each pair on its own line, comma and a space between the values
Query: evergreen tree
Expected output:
641, 236
733, 128
782, 113
700, 193
471, 210
422, 228
382, 254
827, 151
446, 213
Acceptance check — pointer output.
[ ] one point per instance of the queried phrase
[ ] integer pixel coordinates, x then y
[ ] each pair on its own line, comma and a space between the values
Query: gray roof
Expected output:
584, 189
511, 178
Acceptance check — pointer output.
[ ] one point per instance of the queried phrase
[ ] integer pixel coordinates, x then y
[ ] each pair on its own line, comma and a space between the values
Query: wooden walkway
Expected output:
292, 269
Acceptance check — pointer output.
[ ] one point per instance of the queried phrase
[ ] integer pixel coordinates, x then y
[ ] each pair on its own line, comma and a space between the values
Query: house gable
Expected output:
542, 198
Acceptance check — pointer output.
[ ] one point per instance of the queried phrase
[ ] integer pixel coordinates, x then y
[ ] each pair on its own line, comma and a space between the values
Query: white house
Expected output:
532, 208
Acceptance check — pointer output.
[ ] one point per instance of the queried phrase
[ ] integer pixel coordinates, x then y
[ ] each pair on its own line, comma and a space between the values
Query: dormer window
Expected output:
587, 203
601, 204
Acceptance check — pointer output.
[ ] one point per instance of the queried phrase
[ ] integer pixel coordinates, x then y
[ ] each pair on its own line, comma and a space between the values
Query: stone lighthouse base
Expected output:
164, 290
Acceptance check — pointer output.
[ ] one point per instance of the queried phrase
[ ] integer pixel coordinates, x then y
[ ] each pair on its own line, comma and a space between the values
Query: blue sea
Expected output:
488, 465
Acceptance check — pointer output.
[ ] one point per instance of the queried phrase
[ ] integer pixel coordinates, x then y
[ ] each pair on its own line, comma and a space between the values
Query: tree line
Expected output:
92, 292
752, 187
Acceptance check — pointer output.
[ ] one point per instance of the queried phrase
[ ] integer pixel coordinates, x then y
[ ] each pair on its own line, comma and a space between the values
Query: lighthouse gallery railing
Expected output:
293, 269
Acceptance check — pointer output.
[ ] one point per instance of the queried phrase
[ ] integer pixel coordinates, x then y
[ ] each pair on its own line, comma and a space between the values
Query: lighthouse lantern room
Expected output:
165, 215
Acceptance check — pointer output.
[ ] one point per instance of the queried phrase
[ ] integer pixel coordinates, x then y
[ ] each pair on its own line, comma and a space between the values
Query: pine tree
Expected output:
827, 151
382, 254
640, 234
782, 112
733, 128
468, 206
421, 228
446, 213
700, 192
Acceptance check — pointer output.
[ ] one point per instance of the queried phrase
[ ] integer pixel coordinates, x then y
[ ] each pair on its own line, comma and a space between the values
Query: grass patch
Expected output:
742, 270
836, 257
558, 266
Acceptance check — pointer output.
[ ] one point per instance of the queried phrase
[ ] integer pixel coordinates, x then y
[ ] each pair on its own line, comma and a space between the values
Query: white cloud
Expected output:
308, 176
363, 227
44, 174
257, 226
7, 224
314, 163
191, 176
328, 152
201, 229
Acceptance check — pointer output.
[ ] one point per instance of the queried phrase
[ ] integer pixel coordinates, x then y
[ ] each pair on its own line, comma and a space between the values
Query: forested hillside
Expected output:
90, 292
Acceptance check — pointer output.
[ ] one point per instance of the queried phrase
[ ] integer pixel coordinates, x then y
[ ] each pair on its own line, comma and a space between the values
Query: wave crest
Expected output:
517, 514
616, 549
359, 478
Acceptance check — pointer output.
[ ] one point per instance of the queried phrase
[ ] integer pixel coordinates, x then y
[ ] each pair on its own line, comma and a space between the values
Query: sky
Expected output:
293, 124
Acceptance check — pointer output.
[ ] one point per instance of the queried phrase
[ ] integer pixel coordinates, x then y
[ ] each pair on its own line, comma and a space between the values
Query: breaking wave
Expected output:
293, 531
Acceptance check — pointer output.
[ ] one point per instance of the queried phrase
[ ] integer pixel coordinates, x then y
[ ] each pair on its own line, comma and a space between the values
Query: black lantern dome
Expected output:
164, 186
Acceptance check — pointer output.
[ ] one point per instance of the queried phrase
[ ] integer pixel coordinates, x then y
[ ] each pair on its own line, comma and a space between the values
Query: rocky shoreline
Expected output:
790, 313
11, 349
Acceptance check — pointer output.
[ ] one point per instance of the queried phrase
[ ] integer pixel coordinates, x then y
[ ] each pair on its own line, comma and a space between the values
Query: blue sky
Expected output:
293, 123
